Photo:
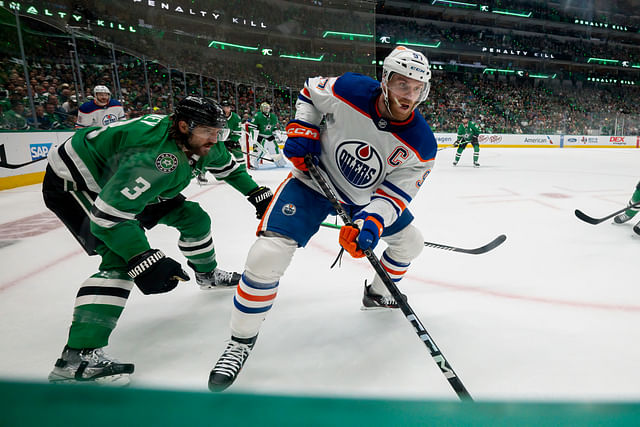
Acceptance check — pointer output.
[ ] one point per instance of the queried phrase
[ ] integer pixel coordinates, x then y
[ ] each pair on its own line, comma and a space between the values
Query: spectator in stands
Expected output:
14, 118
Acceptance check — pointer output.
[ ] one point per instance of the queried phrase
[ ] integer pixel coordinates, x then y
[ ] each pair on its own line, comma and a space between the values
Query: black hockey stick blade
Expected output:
403, 305
475, 251
591, 220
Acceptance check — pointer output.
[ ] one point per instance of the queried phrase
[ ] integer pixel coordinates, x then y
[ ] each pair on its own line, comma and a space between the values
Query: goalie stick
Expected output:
404, 306
591, 220
475, 251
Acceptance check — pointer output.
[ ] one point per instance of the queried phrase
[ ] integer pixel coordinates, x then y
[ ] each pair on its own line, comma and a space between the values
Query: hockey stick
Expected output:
258, 158
475, 251
5, 164
591, 220
404, 306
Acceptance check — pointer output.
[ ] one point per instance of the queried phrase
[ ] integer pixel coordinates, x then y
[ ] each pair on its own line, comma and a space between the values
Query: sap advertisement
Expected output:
26, 152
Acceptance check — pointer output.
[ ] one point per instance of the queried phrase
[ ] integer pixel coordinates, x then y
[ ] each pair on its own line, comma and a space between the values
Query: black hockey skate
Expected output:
217, 279
636, 229
371, 301
622, 218
230, 363
202, 179
89, 364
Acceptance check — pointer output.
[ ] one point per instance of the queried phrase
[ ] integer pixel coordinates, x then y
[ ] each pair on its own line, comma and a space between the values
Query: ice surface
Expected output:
552, 314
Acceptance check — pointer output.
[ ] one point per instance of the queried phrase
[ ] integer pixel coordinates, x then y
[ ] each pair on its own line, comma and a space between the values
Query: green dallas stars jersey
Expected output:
132, 164
233, 123
266, 124
465, 134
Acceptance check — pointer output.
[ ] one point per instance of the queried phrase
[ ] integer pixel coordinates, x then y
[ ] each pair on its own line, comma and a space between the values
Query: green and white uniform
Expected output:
266, 124
233, 142
106, 184
468, 135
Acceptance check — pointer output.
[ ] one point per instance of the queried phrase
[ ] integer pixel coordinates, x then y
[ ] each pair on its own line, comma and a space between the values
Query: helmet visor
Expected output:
208, 132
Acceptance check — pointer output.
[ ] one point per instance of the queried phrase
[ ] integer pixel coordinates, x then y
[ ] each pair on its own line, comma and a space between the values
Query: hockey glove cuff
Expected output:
154, 273
302, 138
260, 197
365, 236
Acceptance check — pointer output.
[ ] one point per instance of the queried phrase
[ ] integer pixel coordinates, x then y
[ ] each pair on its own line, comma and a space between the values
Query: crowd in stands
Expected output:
499, 105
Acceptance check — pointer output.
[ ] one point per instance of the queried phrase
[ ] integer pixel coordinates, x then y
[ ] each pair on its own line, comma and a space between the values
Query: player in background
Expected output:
107, 185
468, 133
101, 110
376, 151
233, 142
267, 123
631, 212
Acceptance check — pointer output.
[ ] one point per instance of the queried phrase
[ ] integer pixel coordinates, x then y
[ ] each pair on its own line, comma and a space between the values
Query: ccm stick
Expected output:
475, 251
404, 306
591, 220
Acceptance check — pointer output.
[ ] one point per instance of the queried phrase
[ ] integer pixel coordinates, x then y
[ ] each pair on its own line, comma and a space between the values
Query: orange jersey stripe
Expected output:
398, 201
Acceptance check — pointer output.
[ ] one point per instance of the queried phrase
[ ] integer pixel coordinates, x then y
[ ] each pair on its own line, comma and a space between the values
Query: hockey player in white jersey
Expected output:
376, 151
101, 110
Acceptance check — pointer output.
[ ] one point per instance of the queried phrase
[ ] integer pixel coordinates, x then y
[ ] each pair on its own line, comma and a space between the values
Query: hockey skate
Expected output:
455, 163
622, 218
372, 301
476, 164
202, 179
230, 363
217, 279
636, 229
89, 365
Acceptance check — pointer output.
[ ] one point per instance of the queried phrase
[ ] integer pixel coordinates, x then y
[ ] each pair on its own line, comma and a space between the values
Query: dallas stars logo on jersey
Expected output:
166, 162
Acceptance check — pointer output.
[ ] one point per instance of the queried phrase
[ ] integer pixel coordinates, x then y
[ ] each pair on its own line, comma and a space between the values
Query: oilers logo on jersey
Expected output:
109, 118
359, 163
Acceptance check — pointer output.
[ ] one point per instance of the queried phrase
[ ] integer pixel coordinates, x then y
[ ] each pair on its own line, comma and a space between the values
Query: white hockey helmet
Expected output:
409, 63
101, 89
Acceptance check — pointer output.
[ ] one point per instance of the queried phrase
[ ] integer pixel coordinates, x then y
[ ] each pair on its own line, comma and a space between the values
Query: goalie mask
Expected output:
265, 108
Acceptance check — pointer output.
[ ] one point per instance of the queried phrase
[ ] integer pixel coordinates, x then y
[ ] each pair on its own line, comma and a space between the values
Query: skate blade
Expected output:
219, 288
120, 380
377, 308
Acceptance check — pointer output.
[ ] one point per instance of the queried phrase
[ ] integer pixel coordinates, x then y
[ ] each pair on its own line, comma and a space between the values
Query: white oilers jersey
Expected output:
90, 114
370, 161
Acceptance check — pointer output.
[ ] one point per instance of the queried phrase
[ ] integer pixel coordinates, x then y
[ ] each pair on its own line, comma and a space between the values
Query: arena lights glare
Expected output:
451, 3
223, 45
407, 43
350, 36
512, 13
602, 61
304, 58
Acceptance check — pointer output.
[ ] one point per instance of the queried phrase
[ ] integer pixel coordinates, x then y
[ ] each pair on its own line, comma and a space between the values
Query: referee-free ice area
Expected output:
551, 314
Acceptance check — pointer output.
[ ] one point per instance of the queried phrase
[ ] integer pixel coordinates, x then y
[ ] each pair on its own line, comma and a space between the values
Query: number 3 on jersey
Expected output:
133, 193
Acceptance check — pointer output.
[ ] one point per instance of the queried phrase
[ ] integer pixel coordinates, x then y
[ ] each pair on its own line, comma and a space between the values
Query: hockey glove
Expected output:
154, 273
365, 235
260, 197
302, 138
457, 142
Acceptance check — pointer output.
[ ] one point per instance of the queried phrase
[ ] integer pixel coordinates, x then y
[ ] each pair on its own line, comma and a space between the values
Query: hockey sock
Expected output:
396, 271
99, 303
251, 303
200, 251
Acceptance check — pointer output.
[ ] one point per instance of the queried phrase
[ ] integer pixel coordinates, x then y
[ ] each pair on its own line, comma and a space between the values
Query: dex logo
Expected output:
39, 151
616, 139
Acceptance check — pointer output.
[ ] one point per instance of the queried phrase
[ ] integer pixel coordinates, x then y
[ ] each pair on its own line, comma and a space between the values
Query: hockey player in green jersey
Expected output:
107, 184
632, 211
267, 123
233, 123
468, 133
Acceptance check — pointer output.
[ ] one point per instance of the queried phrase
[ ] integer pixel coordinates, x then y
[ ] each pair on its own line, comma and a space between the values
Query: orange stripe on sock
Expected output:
256, 298
396, 272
